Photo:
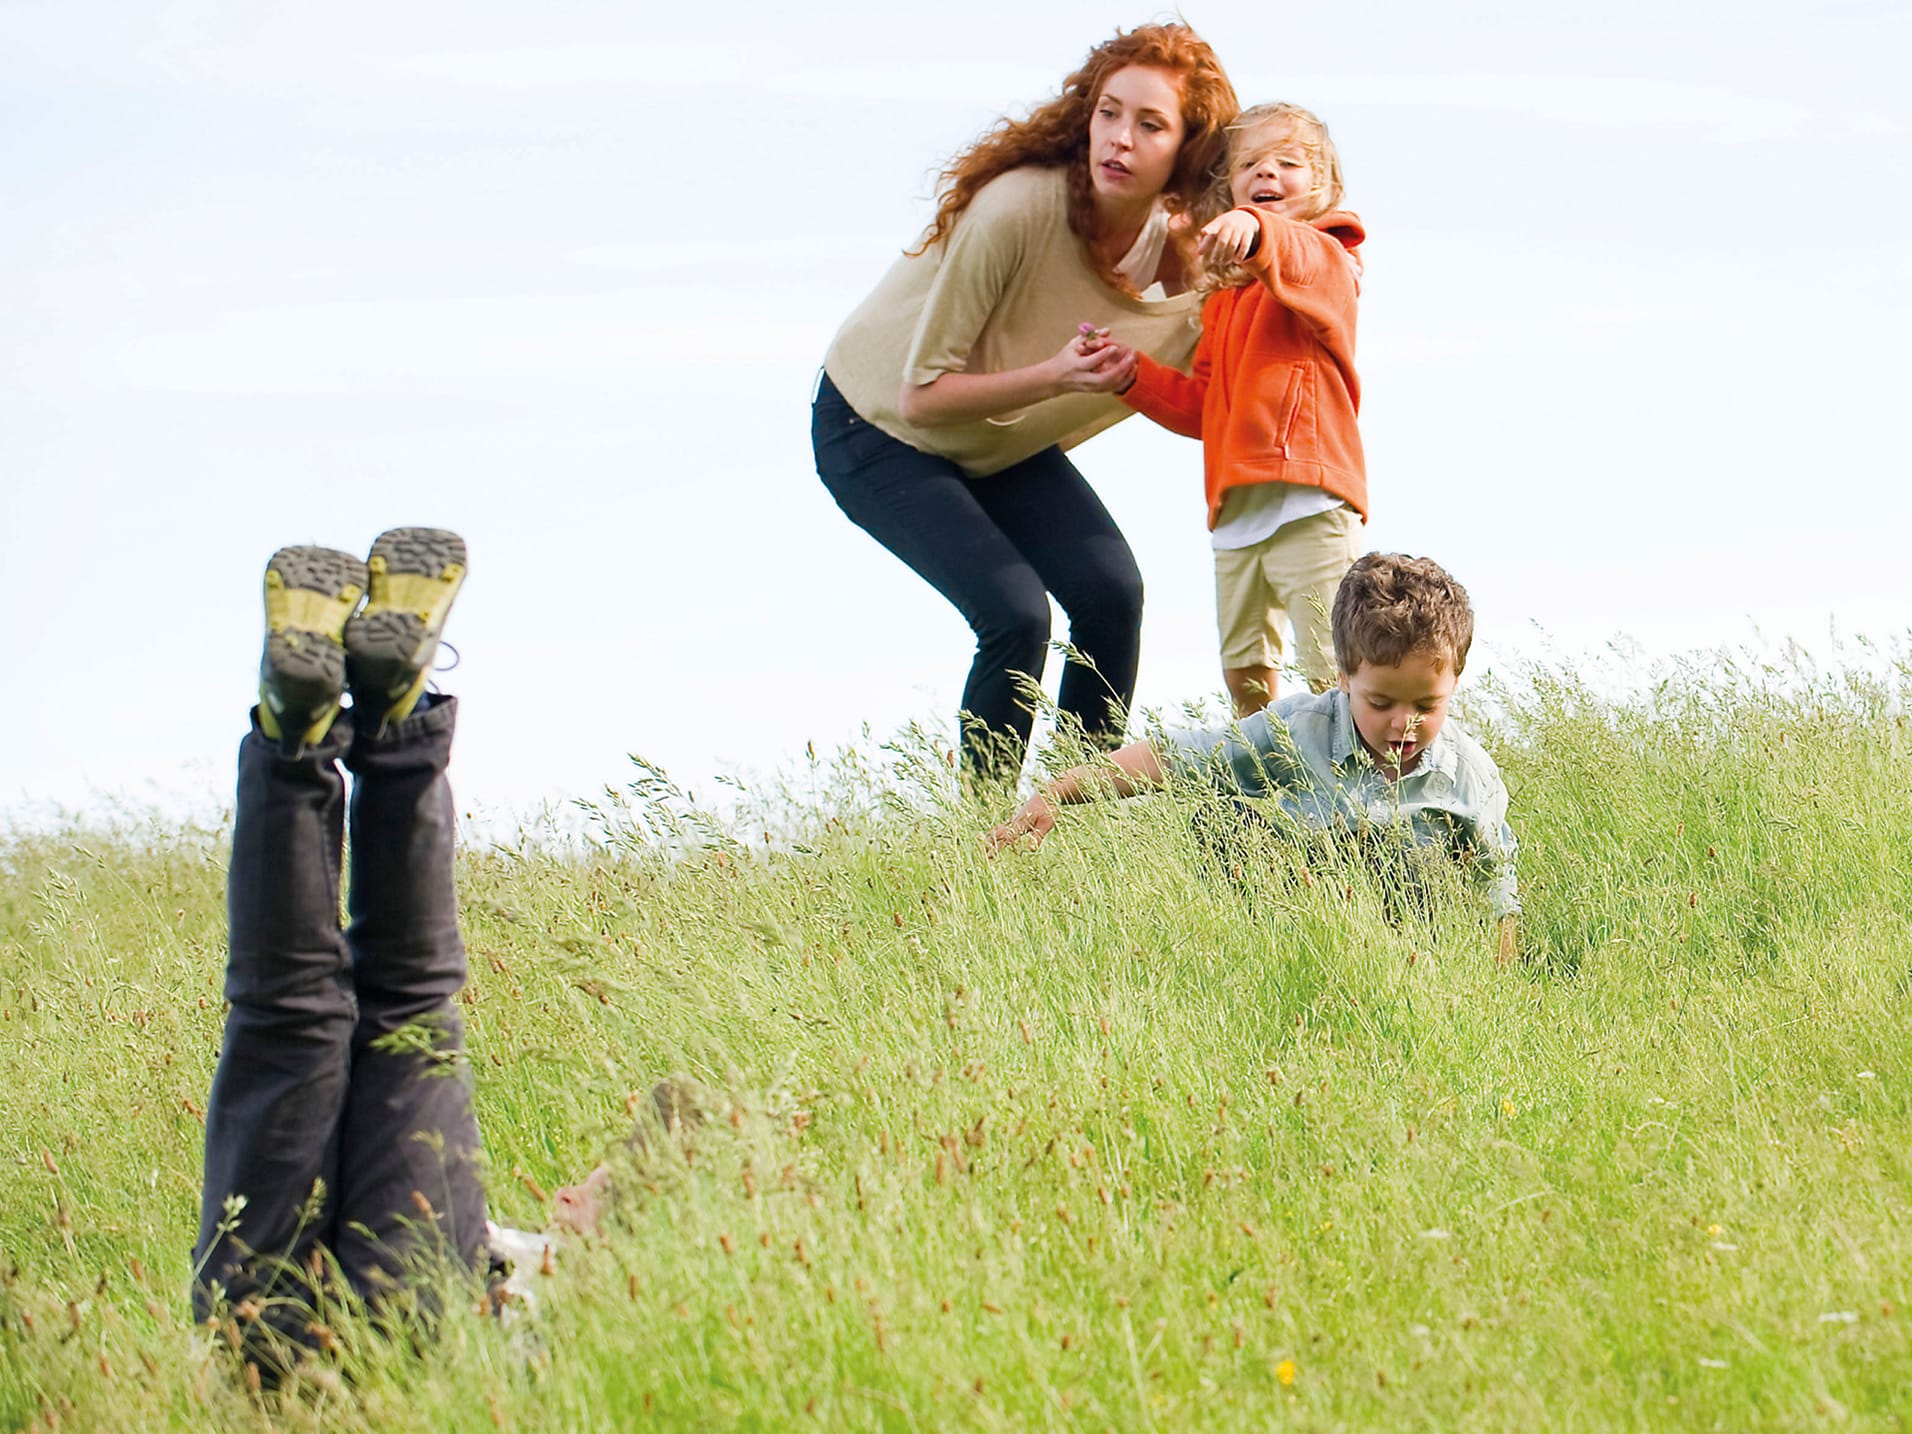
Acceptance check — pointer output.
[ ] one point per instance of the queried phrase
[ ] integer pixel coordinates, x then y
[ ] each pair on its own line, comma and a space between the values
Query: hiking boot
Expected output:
310, 594
389, 646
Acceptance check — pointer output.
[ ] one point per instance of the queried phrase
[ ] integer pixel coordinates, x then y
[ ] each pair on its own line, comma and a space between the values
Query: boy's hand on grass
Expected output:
1033, 821
1229, 238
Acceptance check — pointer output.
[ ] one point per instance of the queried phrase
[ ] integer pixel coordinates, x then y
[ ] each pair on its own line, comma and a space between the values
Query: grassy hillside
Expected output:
1111, 1135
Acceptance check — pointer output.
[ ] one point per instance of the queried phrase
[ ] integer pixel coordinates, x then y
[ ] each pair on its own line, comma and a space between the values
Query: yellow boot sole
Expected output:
311, 594
414, 576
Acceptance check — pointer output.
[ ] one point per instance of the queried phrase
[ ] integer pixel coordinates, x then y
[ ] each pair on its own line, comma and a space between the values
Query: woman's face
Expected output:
1135, 134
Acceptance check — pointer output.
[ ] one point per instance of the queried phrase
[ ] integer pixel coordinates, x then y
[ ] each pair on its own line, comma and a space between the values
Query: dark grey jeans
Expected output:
341, 1110
997, 547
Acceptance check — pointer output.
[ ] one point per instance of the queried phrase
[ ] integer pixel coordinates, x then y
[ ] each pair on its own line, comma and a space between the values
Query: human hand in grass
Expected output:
1033, 821
1125, 771
1509, 941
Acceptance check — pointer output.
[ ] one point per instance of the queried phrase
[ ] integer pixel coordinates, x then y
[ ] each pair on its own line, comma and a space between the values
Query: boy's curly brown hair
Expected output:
1391, 605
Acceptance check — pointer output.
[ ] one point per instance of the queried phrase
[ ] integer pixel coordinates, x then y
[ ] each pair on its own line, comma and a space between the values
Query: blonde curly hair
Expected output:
1254, 132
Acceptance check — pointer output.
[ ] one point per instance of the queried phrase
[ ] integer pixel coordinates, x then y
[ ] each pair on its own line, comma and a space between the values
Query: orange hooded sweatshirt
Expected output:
1272, 392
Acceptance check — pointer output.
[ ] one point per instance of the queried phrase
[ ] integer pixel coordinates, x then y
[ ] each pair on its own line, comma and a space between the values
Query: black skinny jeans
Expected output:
309, 1095
996, 547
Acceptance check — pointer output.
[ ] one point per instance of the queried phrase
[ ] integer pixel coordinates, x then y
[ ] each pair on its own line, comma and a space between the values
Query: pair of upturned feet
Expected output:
320, 640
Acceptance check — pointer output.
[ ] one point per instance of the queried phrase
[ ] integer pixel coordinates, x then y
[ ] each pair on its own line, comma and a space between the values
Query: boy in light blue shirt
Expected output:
1376, 751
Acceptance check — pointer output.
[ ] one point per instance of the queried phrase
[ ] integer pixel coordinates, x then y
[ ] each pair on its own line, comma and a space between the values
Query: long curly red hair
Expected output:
1057, 133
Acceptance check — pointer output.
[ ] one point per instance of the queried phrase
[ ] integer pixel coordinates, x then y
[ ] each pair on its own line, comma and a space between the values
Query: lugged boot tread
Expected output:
321, 570
419, 550
310, 593
390, 644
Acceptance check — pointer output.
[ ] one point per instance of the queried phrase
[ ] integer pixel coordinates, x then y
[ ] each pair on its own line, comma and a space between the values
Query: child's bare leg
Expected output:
272, 1119
1314, 634
1249, 688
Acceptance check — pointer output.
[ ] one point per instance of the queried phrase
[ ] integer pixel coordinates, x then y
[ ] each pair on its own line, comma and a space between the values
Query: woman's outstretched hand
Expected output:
1229, 238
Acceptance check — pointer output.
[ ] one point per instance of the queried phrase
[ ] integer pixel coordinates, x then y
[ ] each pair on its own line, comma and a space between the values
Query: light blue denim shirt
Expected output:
1302, 752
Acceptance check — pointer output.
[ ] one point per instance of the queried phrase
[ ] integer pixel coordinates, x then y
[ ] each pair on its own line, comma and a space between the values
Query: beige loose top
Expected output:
1005, 288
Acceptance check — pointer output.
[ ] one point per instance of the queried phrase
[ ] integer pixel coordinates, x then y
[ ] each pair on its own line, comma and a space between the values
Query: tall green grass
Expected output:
1104, 1136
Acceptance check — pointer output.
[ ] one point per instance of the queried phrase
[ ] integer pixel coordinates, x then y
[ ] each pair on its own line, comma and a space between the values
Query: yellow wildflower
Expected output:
1285, 1371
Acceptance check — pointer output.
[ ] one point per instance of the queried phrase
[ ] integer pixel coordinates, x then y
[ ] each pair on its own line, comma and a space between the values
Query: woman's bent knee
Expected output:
1112, 604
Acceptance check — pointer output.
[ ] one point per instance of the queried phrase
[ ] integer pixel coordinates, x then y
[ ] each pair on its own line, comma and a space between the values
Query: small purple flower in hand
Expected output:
1089, 338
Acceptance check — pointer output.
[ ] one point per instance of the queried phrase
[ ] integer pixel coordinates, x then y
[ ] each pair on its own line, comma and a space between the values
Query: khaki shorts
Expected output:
1289, 576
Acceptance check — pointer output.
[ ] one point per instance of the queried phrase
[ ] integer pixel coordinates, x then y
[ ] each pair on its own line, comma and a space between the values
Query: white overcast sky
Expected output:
1634, 340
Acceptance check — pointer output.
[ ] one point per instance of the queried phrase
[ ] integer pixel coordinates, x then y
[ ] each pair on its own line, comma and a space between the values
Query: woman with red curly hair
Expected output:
948, 399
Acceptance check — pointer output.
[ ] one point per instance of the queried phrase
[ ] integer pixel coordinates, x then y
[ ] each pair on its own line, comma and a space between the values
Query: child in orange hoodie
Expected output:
1272, 394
